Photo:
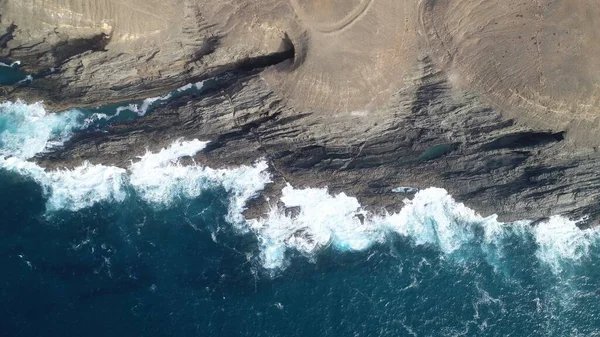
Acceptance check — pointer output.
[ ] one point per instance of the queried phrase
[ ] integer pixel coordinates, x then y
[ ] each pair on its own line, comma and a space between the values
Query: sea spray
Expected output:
160, 179
157, 178
432, 218
28, 129
562, 243
72, 189
14, 64
170, 241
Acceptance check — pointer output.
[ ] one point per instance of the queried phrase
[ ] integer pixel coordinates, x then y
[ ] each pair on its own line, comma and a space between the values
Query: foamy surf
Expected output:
311, 221
157, 178
27, 79
11, 65
190, 86
432, 218
28, 129
160, 179
72, 189
142, 109
562, 243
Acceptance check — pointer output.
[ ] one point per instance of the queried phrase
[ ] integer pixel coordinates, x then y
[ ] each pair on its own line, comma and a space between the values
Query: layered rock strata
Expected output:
494, 101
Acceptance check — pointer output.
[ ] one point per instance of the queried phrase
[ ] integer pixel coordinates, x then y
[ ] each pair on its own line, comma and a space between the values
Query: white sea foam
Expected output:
185, 87
75, 189
405, 190
197, 86
28, 129
12, 65
129, 107
95, 117
323, 219
148, 102
160, 179
27, 79
142, 109
560, 241
432, 218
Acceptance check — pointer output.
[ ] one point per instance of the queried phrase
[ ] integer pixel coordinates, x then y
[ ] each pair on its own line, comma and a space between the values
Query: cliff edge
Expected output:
495, 101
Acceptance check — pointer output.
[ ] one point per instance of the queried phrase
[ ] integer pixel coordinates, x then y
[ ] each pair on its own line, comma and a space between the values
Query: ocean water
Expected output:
161, 249
10, 74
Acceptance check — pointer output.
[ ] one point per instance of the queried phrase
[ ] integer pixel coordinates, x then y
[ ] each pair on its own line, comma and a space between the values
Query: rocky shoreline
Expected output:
490, 163
430, 131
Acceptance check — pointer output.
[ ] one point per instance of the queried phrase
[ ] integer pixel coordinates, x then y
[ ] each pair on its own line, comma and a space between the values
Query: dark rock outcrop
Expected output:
434, 137
362, 97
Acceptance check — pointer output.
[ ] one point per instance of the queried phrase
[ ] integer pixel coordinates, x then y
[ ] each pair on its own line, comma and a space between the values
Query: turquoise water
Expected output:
159, 249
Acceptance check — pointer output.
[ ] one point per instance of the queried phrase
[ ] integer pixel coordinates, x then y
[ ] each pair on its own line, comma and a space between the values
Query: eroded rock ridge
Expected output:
496, 101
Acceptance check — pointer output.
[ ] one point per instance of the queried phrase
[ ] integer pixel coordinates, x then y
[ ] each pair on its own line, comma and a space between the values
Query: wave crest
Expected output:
310, 220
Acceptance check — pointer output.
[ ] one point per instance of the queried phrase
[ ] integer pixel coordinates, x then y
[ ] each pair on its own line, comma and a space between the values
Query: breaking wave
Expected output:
28, 129
432, 218
310, 221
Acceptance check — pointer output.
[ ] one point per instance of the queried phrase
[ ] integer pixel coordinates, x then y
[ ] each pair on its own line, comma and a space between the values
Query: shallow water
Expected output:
159, 249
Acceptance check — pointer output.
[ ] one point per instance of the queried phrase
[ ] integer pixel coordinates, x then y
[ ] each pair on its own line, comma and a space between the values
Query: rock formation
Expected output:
493, 100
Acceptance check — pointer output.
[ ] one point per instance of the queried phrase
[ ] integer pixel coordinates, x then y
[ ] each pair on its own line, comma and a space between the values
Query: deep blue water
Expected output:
121, 264
127, 269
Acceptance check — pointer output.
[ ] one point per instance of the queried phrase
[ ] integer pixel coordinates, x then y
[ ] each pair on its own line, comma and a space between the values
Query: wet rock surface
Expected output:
432, 139
358, 116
